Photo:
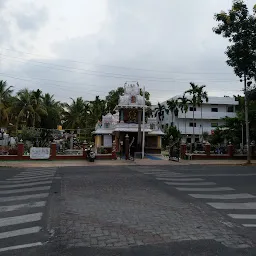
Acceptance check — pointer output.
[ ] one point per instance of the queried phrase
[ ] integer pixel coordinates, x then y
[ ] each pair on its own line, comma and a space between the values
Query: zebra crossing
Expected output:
22, 201
239, 206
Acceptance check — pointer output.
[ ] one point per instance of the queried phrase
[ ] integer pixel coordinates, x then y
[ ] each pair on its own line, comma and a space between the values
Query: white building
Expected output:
212, 113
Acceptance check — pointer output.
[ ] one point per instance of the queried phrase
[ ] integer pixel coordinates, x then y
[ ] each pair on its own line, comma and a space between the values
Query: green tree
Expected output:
38, 106
171, 131
159, 112
201, 97
98, 108
238, 26
173, 107
183, 105
5, 101
113, 97
74, 114
54, 112
28, 108
193, 92
252, 94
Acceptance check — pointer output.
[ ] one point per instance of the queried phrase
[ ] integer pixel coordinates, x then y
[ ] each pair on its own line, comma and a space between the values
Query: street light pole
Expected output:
246, 120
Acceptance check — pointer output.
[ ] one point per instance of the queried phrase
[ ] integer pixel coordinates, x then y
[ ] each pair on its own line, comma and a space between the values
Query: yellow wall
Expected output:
98, 141
159, 142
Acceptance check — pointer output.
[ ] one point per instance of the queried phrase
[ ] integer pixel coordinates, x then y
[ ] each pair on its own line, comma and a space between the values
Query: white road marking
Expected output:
26, 197
23, 190
243, 216
208, 175
191, 183
22, 246
30, 178
26, 184
32, 175
9, 208
223, 196
20, 232
206, 189
233, 206
173, 175
249, 225
20, 219
26, 181
41, 171
160, 172
180, 179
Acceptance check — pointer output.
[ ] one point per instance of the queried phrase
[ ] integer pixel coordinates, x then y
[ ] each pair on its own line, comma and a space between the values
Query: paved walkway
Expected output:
26, 164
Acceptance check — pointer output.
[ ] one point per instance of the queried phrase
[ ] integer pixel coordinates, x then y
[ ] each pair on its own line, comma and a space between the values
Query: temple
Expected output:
127, 122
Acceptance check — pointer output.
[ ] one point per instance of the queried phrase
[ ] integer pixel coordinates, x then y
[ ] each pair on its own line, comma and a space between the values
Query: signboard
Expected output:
107, 141
40, 153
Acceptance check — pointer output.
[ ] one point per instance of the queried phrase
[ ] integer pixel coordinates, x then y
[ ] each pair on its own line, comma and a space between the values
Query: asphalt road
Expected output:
136, 210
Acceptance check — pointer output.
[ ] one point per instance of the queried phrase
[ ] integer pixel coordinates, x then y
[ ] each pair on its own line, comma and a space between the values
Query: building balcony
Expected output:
198, 130
207, 115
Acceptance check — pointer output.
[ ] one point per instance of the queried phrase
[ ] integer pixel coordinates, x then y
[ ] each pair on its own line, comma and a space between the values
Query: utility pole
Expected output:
247, 132
242, 134
143, 122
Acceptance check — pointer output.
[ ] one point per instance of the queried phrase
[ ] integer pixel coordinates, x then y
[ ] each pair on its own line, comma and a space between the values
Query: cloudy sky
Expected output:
86, 48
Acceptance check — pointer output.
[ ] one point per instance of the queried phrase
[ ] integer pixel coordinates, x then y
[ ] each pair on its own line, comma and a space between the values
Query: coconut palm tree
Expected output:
183, 105
201, 97
38, 106
173, 107
98, 108
74, 114
28, 108
193, 92
5, 99
23, 107
159, 112
54, 112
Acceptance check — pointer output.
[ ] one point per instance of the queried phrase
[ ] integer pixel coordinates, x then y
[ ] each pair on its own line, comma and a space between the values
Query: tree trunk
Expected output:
193, 125
186, 125
202, 121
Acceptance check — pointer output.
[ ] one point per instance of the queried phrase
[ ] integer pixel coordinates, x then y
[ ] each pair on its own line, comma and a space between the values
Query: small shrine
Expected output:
127, 122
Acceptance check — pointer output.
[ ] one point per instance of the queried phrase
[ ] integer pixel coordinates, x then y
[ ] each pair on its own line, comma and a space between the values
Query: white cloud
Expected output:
171, 39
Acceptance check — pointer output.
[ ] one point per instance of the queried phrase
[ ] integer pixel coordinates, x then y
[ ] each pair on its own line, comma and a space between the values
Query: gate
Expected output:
174, 150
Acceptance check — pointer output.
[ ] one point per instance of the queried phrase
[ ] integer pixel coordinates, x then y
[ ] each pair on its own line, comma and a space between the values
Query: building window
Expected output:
191, 124
214, 124
215, 110
230, 109
191, 109
106, 125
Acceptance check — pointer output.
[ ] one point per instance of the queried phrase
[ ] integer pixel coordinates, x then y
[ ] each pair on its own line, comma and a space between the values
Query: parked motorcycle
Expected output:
90, 154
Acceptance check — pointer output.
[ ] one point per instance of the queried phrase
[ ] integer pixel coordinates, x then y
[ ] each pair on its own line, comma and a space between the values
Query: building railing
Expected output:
197, 130
206, 115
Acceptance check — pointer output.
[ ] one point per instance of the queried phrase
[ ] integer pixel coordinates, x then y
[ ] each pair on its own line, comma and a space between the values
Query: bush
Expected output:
171, 131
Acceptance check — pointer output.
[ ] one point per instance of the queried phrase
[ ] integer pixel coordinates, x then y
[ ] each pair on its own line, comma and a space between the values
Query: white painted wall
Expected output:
208, 117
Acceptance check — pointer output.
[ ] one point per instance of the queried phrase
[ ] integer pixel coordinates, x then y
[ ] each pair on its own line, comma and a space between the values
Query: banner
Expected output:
40, 153
107, 141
